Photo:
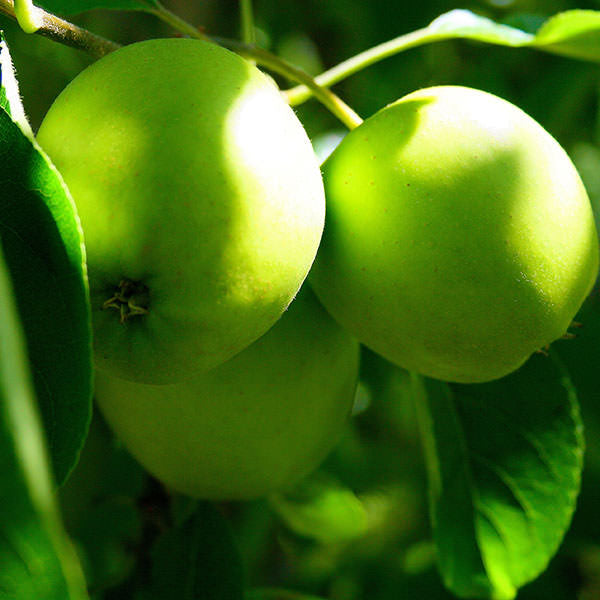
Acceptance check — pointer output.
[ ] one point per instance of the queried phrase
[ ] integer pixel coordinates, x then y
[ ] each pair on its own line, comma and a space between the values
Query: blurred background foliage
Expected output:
359, 527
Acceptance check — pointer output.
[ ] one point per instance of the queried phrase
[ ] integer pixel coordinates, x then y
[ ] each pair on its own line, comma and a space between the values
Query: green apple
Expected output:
251, 426
459, 238
200, 198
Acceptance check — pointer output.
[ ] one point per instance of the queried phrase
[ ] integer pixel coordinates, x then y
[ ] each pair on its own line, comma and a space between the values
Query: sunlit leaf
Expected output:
504, 462
574, 33
466, 24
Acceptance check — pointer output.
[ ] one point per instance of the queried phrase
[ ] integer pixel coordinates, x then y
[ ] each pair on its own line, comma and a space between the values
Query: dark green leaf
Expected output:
99, 504
36, 559
106, 541
197, 560
581, 353
504, 462
69, 7
271, 594
582, 360
42, 243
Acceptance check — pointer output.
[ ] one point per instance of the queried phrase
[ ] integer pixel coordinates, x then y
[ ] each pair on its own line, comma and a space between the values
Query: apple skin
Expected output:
251, 426
195, 182
459, 238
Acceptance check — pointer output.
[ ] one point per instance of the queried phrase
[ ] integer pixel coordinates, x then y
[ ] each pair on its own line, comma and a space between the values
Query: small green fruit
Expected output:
253, 425
459, 237
200, 198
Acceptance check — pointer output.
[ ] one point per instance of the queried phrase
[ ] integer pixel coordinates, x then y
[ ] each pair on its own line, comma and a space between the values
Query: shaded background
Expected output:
359, 528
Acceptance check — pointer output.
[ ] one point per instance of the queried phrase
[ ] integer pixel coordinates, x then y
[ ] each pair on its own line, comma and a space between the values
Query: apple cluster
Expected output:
458, 240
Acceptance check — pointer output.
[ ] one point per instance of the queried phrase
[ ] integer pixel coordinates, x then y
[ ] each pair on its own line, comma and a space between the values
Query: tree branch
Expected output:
62, 31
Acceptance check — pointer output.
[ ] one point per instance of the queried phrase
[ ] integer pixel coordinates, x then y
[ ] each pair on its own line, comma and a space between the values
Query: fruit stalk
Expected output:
302, 93
176, 22
331, 101
247, 17
249, 51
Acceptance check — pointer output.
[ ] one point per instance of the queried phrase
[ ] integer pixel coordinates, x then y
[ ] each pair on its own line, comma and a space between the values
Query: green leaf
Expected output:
582, 360
70, 7
106, 542
43, 247
462, 23
574, 33
272, 594
36, 558
322, 510
197, 560
504, 463
99, 504
581, 353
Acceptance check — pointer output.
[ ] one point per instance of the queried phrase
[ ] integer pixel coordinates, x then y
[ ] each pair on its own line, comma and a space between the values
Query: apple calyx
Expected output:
131, 298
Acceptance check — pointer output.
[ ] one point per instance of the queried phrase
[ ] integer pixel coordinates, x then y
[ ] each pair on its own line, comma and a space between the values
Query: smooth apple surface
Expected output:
459, 238
200, 198
252, 426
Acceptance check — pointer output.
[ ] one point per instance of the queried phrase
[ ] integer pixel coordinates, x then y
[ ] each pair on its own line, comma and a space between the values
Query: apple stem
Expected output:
176, 22
301, 93
326, 97
331, 101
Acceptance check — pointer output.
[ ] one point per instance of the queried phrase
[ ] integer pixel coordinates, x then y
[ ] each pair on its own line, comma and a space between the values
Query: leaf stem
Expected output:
301, 93
176, 22
72, 35
59, 30
247, 17
330, 100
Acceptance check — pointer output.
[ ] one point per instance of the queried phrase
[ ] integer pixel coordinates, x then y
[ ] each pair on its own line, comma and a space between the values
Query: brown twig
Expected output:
62, 31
